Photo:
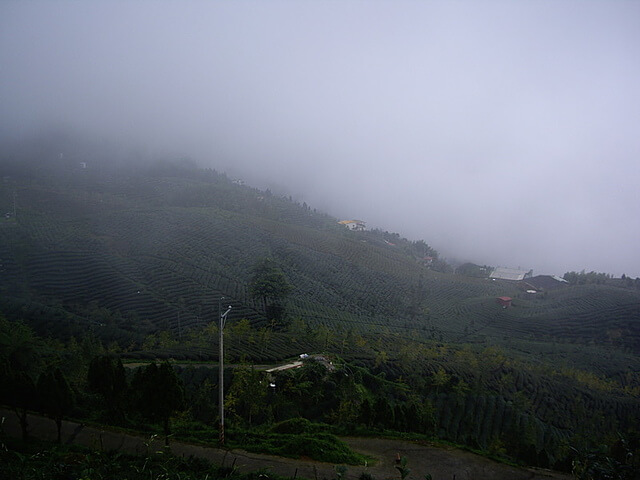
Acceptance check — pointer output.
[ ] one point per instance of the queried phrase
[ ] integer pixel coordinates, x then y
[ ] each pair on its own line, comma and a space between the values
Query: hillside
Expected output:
159, 245
141, 255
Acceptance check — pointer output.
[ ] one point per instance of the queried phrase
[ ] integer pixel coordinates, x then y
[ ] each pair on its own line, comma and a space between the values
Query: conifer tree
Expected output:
55, 396
106, 377
270, 284
19, 392
158, 394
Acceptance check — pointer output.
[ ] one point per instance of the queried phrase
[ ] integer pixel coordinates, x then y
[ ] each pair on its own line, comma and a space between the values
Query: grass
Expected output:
323, 447
38, 460
296, 438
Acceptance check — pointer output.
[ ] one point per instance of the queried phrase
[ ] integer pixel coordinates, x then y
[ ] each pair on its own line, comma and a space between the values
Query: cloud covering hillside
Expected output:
503, 133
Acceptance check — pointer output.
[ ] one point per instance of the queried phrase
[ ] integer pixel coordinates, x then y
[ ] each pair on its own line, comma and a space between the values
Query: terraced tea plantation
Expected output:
144, 256
167, 249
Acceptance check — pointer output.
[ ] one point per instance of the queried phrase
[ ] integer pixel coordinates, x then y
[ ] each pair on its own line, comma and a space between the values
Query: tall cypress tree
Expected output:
55, 396
106, 377
19, 392
270, 284
159, 394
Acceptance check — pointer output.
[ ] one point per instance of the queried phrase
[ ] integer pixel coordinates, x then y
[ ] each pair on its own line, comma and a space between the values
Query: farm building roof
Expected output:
510, 274
504, 301
544, 282
288, 366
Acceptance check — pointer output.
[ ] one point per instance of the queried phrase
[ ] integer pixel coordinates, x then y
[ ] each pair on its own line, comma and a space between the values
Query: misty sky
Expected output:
502, 132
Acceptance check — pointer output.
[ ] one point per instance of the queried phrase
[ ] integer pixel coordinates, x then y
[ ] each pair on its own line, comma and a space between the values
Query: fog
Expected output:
504, 133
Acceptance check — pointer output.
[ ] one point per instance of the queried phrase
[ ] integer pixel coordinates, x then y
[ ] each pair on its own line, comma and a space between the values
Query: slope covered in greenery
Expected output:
142, 254
158, 246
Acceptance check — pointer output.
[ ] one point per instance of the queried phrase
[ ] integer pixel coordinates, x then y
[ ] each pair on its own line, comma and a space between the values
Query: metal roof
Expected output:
509, 273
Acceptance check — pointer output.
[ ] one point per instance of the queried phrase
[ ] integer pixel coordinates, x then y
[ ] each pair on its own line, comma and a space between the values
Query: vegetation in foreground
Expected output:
37, 460
292, 413
293, 438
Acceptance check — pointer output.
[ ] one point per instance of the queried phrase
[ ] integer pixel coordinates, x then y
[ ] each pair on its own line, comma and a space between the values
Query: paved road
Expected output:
443, 464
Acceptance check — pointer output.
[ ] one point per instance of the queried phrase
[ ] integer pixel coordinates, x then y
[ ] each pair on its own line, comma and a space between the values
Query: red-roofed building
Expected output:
504, 301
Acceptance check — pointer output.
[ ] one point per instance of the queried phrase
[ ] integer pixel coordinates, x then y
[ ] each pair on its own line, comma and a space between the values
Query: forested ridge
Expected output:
107, 256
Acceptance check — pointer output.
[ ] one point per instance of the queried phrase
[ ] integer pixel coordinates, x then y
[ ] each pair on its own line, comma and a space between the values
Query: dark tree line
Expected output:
50, 395
599, 278
25, 386
155, 393
31, 381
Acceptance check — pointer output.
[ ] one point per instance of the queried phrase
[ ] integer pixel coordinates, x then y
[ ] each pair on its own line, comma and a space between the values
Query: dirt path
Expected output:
195, 365
443, 464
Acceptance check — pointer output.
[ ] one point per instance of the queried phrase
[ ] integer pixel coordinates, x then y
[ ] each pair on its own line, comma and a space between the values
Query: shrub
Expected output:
297, 426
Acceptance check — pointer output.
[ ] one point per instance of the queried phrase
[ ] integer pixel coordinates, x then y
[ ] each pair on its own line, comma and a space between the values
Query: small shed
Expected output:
504, 301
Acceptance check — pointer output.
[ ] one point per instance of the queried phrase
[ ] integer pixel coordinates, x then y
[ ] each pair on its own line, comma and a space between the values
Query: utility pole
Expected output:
223, 319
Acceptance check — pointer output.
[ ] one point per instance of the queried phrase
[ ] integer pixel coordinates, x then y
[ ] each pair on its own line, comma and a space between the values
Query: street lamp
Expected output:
223, 319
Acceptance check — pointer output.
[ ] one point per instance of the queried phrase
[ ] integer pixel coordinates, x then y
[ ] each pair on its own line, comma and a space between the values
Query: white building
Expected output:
357, 225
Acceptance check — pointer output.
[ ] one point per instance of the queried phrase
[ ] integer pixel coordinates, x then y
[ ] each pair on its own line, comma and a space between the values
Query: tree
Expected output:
366, 413
423, 249
18, 347
381, 358
202, 404
19, 393
106, 377
383, 413
240, 331
270, 284
439, 379
55, 396
158, 394
248, 393
18, 360
350, 395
